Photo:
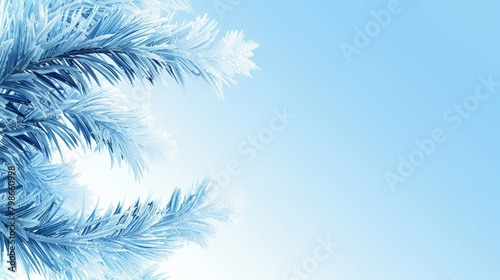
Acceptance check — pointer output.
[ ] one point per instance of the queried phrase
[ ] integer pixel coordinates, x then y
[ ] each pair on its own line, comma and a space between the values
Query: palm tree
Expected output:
59, 62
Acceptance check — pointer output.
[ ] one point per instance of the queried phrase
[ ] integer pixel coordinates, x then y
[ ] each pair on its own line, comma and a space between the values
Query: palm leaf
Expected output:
114, 244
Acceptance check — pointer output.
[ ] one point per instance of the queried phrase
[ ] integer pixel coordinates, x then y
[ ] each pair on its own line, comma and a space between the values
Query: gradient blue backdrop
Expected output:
323, 175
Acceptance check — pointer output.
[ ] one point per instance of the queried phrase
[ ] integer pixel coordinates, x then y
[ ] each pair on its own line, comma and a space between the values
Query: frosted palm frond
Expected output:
216, 61
99, 120
119, 243
127, 134
76, 47
50, 179
153, 274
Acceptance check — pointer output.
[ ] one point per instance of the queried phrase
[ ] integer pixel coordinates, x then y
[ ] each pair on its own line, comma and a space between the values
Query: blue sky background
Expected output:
323, 175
